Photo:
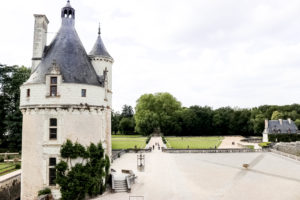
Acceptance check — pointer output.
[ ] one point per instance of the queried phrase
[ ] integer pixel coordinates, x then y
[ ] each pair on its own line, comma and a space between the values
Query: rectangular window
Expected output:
28, 92
83, 92
53, 80
53, 133
53, 128
53, 122
53, 86
52, 162
52, 171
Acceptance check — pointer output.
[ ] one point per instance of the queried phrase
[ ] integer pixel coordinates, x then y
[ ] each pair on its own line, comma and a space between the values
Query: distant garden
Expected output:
163, 113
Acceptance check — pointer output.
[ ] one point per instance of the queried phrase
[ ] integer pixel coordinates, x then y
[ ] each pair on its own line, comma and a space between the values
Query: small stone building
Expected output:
279, 127
68, 96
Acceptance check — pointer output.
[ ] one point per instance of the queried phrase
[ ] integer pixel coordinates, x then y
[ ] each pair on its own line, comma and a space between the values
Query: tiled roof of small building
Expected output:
287, 126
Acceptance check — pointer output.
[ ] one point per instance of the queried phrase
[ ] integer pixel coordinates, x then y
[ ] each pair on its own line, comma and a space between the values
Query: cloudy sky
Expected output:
239, 53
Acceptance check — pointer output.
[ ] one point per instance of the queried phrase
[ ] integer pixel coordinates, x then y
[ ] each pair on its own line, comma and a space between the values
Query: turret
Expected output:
39, 39
102, 63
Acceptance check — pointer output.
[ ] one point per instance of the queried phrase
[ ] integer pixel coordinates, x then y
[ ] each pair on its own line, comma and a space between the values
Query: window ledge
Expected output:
48, 96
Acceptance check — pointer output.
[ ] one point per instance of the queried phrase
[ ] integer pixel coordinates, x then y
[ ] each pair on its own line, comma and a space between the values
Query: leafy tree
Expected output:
11, 78
127, 125
297, 122
127, 111
156, 111
86, 178
115, 121
277, 115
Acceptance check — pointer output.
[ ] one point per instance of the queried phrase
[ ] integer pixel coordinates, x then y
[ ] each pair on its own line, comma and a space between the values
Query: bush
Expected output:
44, 191
148, 139
164, 140
264, 144
18, 166
250, 146
1, 159
89, 177
284, 137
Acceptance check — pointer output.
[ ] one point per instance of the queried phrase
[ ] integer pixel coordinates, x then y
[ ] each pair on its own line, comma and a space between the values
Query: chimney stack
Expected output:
280, 121
289, 120
266, 123
39, 40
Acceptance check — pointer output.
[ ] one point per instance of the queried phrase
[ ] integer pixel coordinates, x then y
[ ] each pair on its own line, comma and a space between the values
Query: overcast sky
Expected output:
239, 53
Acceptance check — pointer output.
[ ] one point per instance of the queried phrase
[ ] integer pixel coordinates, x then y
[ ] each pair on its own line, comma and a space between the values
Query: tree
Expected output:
86, 178
115, 120
127, 111
277, 115
126, 125
156, 111
11, 78
297, 122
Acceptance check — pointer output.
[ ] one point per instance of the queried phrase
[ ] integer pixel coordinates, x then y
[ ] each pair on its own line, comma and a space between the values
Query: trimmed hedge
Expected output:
284, 137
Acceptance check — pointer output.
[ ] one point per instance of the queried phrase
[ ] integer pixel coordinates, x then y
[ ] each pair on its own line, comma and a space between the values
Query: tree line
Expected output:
11, 78
161, 112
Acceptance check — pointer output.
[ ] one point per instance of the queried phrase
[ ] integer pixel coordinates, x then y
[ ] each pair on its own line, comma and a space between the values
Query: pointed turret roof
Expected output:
99, 48
69, 54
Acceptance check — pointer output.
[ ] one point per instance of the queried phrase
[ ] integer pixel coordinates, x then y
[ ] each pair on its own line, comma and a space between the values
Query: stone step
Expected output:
120, 186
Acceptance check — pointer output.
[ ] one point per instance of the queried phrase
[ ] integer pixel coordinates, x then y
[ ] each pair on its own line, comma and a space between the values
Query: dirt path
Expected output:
231, 142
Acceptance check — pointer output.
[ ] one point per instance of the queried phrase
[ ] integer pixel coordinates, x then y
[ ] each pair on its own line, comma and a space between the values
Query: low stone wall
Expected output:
241, 150
288, 147
286, 154
10, 186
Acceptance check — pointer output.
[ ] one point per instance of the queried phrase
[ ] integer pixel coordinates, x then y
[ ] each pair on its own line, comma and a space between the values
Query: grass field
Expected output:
128, 141
9, 167
193, 142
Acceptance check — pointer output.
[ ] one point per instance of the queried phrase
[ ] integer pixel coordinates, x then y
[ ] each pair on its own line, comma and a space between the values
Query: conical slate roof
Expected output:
99, 48
67, 51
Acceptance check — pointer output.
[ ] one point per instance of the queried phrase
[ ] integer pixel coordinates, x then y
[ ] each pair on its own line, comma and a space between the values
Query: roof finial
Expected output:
99, 31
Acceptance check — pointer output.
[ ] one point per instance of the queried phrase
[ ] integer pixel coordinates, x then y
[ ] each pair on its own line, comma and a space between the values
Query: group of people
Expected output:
156, 144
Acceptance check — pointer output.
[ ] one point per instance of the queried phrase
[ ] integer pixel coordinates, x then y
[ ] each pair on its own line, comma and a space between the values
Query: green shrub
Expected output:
250, 146
18, 166
87, 179
9, 157
284, 137
164, 140
148, 139
264, 144
1, 159
44, 191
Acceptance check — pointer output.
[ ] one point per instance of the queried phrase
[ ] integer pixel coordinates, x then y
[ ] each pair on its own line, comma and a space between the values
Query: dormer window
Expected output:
83, 92
53, 86
28, 93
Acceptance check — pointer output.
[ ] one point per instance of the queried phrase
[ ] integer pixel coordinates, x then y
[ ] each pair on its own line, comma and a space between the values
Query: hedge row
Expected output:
284, 137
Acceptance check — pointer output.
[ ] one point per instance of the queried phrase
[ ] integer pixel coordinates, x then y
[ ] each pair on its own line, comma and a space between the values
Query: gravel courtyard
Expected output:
211, 177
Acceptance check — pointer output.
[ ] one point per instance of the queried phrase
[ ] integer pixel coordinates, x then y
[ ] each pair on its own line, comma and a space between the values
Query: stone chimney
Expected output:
266, 123
39, 39
280, 121
289, 120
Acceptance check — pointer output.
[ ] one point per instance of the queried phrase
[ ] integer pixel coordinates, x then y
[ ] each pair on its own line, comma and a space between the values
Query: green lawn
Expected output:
125, 136
128, 141
193, 142
9, 167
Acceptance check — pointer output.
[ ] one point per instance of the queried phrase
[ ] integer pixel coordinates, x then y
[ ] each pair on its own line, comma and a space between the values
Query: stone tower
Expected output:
68, 96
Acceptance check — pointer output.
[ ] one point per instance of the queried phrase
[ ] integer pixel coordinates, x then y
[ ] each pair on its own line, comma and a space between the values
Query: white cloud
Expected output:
217, 53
